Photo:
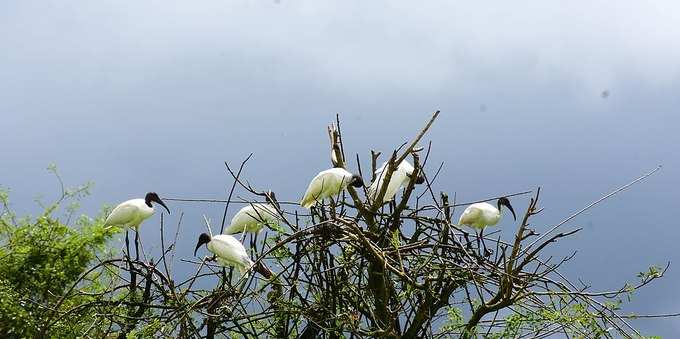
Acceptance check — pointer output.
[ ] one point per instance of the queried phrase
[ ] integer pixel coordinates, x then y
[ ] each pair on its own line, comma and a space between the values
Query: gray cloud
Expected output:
154, 95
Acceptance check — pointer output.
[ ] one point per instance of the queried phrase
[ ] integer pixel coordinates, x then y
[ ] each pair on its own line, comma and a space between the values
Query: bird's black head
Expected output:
152, 196
420, 179
505, 202
204, 238
356, 181
271, 198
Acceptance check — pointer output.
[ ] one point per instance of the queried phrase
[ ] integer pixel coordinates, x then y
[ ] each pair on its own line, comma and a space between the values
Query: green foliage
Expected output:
276, 227
55, 282
578, 321
41, 259
651, 273
15, 318
148, 330
454, 320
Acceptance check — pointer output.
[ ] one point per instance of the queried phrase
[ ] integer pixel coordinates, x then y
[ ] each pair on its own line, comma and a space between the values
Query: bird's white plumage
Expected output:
480, 215
252, 218
400, 178
130, 213
230, 252
326, 184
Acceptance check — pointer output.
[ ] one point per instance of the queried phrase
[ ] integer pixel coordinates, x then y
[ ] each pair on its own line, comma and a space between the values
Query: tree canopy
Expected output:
352, 267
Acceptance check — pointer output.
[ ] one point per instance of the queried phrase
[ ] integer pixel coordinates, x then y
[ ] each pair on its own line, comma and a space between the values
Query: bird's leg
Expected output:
487, 252
141, 246
136, 244
253, 242
126, 250
224, 277
322, 212
312, 212
332, 207
468, 244
133, 275
127, 243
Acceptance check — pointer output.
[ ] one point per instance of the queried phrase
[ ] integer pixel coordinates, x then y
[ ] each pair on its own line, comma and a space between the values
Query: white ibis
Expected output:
253, 217
132, 213
483, 214
329, 183
230, 252
400, 178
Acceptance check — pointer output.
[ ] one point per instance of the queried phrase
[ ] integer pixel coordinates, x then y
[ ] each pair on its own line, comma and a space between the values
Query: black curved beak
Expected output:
162, 204
200, 243
506, 203
262, 269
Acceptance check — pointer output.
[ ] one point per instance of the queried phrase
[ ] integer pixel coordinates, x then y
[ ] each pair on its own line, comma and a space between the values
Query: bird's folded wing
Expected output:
320, 184
469, 216
121, 215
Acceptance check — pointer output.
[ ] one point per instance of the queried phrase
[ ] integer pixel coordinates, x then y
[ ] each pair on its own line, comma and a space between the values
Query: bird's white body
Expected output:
252, 218
326, 184
400, 178
130, 213
230, 252
480, 215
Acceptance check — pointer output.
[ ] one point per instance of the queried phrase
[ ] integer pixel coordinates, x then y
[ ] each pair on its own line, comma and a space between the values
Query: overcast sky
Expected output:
154, 95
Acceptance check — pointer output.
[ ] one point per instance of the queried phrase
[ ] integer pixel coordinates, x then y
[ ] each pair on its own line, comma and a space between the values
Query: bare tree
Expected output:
361, 268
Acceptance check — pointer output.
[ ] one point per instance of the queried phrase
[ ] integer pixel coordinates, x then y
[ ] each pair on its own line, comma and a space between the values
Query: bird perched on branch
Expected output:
254, 216
329, 183
230, 252
133, 212
400, 178
483, 214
